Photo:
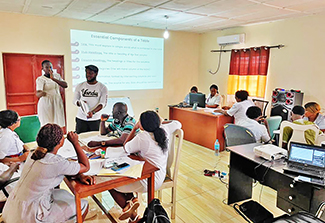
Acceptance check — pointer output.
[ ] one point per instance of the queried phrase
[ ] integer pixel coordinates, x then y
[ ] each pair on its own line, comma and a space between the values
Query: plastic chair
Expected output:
171, 173
28, 129
238, 135
273, 124
298, 133
261, 104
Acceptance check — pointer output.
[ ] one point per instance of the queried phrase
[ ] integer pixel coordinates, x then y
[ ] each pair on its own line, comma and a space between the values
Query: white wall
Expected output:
46, 35
299, 65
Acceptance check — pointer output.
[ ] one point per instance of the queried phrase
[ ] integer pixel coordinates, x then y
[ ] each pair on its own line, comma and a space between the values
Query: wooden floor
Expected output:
199, 198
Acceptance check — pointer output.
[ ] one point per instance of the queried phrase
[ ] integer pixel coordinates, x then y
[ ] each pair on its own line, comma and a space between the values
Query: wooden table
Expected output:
107, 183
201, 127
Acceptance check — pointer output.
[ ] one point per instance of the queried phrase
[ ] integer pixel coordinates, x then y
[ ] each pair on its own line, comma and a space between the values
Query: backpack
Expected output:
155, 213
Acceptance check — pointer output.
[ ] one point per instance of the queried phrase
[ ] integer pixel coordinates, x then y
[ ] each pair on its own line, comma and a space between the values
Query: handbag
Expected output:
252, 211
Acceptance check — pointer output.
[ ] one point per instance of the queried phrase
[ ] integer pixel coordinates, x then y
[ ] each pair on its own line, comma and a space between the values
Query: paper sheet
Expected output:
115, 152
98, 138
95, 167
134, 171
84, 107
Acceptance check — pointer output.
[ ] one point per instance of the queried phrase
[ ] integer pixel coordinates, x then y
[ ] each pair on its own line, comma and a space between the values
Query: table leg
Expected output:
78, 208
151, 187
240, 185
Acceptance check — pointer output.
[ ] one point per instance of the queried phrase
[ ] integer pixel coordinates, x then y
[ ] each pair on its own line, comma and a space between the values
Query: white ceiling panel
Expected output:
11, 7
188, 15
221, 6
185, 5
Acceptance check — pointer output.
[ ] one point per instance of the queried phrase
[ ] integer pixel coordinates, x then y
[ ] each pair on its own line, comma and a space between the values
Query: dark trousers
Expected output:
86, 126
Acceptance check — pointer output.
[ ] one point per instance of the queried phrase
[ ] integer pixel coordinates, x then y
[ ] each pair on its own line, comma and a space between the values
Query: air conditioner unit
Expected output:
233, 39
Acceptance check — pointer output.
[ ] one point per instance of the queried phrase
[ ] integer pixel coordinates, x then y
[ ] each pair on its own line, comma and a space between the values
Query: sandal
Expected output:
135, 219
134, 204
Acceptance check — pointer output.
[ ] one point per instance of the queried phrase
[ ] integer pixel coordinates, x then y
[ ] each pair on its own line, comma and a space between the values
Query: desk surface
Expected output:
248, 152
201, 127
292, 196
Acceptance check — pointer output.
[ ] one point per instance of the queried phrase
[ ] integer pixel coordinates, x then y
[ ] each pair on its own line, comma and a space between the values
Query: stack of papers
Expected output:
84, 107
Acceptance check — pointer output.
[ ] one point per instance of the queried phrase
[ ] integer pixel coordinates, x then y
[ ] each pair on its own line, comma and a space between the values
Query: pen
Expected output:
95, 157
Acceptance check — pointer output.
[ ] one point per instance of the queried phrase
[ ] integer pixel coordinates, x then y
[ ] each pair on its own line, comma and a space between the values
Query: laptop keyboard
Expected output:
307, 170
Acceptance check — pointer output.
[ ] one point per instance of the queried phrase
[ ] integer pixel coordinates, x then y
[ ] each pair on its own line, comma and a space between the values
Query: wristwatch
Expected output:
103, 143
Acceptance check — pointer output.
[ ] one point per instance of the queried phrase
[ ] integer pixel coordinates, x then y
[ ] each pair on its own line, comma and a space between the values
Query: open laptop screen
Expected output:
307, 154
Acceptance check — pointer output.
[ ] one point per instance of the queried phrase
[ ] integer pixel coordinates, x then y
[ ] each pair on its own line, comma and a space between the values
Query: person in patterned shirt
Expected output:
121, 124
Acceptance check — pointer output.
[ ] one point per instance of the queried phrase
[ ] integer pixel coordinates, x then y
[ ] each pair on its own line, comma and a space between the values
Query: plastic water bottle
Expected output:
216, 148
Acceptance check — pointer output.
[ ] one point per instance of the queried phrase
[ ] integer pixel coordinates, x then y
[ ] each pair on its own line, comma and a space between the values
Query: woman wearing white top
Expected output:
35, 199
238, 110
213, 99
312, 114
152, 144
12, 149
50, 105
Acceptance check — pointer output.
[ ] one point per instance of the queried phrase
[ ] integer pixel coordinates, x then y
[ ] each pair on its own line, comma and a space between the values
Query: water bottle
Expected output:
216, 148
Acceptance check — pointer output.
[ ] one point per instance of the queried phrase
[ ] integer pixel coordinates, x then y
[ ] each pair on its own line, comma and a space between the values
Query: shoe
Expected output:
134, 204
91, 214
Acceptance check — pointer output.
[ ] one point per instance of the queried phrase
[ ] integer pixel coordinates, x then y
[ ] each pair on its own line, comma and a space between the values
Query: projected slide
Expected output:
125, 62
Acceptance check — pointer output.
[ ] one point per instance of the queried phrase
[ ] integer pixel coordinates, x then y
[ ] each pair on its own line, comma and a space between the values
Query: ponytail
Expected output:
150, 122
39, 153
161, 139
48, 137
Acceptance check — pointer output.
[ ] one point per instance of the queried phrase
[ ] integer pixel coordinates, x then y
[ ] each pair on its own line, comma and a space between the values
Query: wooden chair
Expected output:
261, 104
171, 173
298, 133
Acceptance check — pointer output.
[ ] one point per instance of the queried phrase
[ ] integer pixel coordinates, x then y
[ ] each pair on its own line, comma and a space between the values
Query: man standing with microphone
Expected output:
90, 96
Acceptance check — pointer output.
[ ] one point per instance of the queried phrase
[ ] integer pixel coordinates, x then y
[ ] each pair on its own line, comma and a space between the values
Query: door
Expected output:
20, 74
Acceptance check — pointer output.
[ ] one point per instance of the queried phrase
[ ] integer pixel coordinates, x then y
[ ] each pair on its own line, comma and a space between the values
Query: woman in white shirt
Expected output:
213, 99
238, 110
312, 114
12, 149
152, 144
34, 198
50, 104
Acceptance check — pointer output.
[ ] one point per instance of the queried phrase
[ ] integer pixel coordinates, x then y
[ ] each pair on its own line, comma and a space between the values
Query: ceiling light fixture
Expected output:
166, 33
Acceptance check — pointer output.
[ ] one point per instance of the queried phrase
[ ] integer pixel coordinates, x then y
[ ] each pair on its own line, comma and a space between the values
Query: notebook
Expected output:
307, 160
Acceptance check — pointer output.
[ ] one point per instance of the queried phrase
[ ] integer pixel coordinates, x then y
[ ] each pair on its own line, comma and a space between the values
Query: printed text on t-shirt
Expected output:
87, 93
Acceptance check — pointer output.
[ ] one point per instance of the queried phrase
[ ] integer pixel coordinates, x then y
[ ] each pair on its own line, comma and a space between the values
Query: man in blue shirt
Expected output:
120, 125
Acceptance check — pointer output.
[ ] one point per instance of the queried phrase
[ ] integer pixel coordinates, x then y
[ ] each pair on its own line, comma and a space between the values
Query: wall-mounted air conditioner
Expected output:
233, 39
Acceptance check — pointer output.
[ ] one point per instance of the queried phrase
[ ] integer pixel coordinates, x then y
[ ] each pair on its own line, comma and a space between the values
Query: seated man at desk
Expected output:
297, 115
254, 114
238, 110
187, 97
121, 122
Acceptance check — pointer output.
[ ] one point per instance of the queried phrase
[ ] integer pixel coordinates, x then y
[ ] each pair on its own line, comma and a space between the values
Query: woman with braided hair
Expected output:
34, 198
12, 149
151, 144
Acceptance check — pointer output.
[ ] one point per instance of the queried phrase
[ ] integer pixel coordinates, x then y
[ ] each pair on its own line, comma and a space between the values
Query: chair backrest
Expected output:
28, 129
223, 100
238, 135
273, 124
298, 132
261, 104
173, 158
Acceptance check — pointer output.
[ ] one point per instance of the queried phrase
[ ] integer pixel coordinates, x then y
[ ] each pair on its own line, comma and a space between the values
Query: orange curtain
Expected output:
248, 71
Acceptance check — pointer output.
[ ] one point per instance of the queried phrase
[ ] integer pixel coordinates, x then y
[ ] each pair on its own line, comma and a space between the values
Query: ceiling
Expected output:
183, 15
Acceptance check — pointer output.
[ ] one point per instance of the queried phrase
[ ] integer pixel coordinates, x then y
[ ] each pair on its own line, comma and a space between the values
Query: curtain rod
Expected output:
270, 47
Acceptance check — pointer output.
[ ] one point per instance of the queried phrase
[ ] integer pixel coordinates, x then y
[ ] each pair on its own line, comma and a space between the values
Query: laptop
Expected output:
306, 160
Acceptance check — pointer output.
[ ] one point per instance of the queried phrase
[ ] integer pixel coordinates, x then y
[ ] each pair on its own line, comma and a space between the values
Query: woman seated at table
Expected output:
12, 149
213, 99
238, 110
34, 198
152, 144
193, 90
312, 114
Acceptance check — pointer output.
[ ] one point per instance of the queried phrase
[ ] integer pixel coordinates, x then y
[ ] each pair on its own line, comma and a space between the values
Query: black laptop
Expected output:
306, 160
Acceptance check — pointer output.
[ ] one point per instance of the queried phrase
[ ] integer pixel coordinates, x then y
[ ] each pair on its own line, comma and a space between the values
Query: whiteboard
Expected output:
111, 101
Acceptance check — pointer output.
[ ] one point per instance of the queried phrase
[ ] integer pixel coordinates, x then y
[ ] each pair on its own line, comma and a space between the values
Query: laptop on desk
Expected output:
306, 160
